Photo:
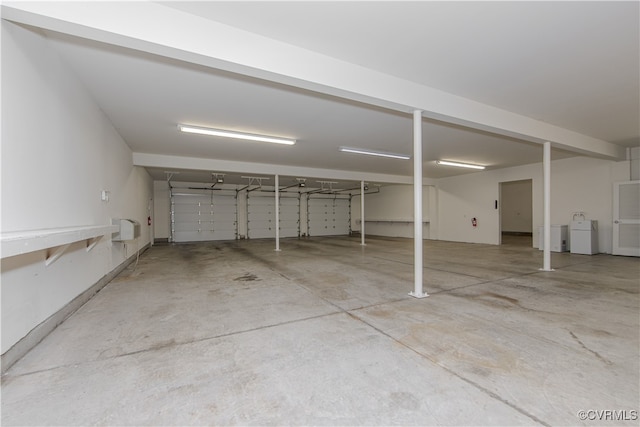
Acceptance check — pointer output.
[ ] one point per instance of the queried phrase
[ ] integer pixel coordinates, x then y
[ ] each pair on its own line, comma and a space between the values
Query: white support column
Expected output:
362, 213
546, 166
277, 213
417, 206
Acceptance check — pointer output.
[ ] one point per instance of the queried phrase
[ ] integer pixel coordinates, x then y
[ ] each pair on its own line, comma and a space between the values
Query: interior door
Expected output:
626, 218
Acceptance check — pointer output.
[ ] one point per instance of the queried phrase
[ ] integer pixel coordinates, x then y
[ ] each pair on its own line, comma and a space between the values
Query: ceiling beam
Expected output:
231, 166
212, 44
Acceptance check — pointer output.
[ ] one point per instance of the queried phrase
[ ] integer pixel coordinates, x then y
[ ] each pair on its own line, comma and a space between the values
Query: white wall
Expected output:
464, 197
58, 152
577, 184
390, 212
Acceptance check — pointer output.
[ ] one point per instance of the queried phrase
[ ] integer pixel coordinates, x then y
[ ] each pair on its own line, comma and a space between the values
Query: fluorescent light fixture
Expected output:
374, 153
236, 135
459, 165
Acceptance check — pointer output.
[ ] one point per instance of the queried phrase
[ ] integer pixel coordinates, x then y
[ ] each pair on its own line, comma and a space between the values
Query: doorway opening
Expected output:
516, 213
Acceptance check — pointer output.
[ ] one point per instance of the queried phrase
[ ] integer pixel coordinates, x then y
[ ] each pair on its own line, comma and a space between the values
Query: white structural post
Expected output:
546, 167
417, 206
277, 213
362, 213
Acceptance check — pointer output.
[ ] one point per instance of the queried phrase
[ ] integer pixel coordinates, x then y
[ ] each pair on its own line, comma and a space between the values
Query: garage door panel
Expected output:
203, 217
192, 198
262, 234
192, 226
261, 201
261, 216
224, 234
225, 225
321, 206
261, 210
194, 217
320, 230
199, 228
254, 218
224, 209
255, 224
289, 224
289, 201
288, 216
191, 208
341, 229
328, 217
194, 236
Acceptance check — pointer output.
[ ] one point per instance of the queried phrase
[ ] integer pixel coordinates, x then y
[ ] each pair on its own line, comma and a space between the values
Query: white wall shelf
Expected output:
22, 242
403, 220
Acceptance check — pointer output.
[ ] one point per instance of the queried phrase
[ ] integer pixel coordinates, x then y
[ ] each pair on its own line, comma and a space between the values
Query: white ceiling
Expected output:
571, 64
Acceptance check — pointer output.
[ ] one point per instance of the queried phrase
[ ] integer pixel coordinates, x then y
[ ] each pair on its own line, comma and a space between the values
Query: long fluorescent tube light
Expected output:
374, 153
459, 165
236, 135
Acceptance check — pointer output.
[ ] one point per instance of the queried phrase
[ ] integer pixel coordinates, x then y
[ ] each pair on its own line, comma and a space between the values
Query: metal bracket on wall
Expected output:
54, 253
92, 242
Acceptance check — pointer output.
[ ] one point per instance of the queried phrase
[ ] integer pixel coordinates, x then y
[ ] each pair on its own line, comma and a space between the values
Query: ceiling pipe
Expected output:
259, 187
299, 184
335, 196
320, 190
288, 186
366, 187
377, 190
204, 188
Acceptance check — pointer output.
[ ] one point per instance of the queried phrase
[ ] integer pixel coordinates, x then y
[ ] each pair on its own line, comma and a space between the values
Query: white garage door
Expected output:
261, 216
203, 217
328, 217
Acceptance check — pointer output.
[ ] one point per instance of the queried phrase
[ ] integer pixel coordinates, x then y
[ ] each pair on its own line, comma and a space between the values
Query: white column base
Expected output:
421, 295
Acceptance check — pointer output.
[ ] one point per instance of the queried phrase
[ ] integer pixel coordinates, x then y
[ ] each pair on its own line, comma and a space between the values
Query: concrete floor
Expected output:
323, 333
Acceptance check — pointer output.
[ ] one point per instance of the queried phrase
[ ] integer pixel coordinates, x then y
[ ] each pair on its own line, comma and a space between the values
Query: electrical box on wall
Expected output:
129, 230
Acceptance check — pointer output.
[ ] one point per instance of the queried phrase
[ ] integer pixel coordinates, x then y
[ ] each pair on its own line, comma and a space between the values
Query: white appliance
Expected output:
129, 230
584, 237
559, 238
